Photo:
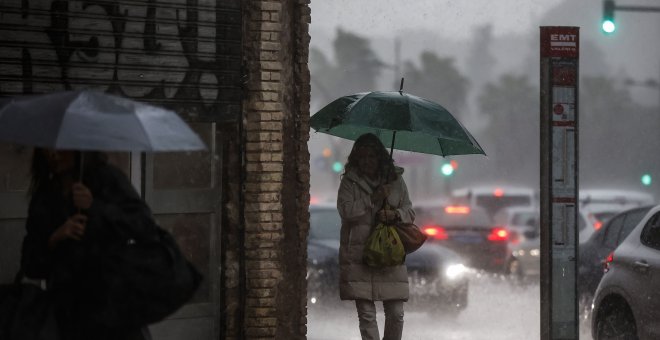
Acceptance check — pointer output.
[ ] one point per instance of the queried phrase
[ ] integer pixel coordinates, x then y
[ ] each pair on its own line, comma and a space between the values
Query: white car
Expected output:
614, 199
495, 198
627, 301
526, 257
599, 205
589, 221
518, 220
523, 226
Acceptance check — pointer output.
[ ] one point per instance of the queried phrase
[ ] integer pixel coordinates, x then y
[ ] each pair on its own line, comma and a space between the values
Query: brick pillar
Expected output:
303, 90
276, 188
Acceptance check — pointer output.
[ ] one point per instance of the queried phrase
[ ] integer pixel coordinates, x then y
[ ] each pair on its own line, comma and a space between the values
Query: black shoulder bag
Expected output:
141, 282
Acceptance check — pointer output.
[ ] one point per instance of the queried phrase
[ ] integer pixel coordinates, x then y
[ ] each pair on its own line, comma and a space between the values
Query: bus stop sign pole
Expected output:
559, 182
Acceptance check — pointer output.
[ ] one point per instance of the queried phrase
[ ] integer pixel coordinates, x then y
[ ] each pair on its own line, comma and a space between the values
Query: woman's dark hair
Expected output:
385, 163
42, 177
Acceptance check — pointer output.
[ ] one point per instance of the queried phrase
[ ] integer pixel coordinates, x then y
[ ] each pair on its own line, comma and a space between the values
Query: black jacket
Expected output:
117, 213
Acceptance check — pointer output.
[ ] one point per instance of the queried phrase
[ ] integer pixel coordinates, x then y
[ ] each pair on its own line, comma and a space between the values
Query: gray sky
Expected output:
451, 18
446, 26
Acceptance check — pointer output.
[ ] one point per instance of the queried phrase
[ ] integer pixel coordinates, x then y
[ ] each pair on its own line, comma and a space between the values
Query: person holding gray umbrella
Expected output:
92, 244
67, 222
370, 180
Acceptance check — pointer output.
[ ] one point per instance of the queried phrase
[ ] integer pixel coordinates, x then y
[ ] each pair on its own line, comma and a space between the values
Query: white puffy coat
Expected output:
357, 280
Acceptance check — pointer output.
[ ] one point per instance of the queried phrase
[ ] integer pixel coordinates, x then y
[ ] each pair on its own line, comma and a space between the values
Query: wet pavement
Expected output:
497, 310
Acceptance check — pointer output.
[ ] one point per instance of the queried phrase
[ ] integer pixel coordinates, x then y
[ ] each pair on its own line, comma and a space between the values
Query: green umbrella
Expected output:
401, 120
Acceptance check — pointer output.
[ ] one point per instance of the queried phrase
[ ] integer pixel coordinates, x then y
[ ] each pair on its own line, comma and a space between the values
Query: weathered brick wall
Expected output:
276, 190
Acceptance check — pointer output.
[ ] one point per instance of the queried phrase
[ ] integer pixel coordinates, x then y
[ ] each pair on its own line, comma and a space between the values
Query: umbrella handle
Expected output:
389, 169
82, 162
80, 174
392, 148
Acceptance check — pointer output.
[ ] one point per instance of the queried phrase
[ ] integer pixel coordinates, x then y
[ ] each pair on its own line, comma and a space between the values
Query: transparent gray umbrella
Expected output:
90, 120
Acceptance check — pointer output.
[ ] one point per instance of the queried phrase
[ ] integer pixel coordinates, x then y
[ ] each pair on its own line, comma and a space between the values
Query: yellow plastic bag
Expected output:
384, 247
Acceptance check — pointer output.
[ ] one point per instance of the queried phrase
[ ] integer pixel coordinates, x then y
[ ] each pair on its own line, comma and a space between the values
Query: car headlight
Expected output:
535, 252
455, 270
313, 270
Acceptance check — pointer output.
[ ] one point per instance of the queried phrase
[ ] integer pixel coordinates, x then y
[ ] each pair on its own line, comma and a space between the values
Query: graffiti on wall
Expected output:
183, 54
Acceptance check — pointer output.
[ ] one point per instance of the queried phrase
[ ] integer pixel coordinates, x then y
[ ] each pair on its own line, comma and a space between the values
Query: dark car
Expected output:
594, 251
437, 275
323, 256
627, 301
470, 232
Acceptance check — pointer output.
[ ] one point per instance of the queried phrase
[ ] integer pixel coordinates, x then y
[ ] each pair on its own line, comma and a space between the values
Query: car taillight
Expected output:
457, 209
606, 264
597, 225
435, 232
498, 234
596, 222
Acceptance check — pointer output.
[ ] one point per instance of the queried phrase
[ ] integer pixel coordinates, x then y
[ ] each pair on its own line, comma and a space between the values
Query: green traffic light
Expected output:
337, 167
609, 26
608, 16
646, 179
447, 169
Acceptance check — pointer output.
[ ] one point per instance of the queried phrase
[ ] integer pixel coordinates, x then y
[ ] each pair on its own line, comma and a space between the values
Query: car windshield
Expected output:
324, 224
494, 203
604, 216
523, 218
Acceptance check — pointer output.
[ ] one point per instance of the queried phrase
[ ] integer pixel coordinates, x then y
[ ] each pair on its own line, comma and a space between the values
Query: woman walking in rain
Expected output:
369, 179
68, 222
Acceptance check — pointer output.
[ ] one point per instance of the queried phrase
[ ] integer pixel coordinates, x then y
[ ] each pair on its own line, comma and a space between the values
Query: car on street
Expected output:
525, 264
590, 220
594, 252
495, 198
518, 220
599, 205
523, 226
614, 199
470, 232
437, 276
627, 301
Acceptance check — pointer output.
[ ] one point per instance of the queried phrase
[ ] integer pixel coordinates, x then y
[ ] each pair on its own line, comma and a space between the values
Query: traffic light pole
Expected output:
609, 26
637, 8
609, 7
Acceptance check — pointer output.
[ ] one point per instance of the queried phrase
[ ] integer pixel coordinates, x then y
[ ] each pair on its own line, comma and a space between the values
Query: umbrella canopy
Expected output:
89, 120
414, 123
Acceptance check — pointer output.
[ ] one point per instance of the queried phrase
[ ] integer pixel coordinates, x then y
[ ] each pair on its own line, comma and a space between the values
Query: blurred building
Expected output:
236, 70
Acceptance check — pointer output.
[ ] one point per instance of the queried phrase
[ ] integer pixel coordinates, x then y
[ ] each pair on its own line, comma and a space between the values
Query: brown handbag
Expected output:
411, 236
